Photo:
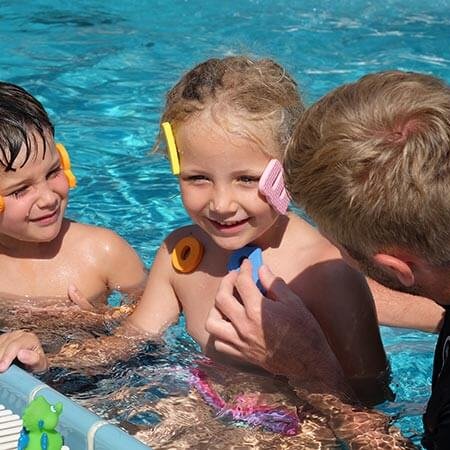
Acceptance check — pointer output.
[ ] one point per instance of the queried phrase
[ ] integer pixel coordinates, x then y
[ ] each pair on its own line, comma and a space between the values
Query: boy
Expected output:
43, 254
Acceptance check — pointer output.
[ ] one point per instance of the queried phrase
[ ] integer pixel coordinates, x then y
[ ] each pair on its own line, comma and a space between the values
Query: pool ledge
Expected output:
82, 429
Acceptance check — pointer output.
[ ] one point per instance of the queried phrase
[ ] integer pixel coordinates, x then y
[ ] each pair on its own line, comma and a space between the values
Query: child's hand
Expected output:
77, 297
25, 347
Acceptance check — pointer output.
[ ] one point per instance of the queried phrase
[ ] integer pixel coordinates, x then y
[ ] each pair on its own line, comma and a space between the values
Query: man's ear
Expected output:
397, 267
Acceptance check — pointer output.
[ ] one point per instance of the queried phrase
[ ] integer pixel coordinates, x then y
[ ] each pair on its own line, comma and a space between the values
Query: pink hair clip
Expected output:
271, 185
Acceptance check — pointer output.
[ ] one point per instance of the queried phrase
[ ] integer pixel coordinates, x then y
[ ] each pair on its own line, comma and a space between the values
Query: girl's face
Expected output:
219, 179
35, 196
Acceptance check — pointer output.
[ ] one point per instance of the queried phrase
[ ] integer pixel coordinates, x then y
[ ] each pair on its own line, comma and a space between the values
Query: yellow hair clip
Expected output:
174, 158
65, 164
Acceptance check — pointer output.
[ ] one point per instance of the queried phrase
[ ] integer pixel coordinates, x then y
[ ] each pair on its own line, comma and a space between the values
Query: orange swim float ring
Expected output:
187, 254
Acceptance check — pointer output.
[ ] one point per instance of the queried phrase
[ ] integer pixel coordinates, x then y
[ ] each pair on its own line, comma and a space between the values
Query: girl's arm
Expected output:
157, 309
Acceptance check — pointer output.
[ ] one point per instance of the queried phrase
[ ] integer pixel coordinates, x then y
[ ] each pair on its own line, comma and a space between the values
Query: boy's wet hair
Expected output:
21, 117
256, 89
370, 162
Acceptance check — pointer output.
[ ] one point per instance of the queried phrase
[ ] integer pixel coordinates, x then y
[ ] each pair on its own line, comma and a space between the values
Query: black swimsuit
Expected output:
436, 419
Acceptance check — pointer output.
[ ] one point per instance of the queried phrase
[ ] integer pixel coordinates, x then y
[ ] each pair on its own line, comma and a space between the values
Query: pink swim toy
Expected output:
271, 185
245, 408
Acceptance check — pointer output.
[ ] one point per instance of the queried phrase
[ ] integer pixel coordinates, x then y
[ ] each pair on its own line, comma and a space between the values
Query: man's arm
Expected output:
282, 336
279, 335
398, 309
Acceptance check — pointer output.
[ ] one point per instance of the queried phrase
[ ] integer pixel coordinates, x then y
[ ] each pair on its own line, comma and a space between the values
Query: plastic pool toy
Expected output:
252, 253
82, 429
187, 254
39, 423
271, 185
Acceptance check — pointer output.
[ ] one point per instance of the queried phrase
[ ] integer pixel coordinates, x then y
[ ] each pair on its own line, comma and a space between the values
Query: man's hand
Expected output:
25, 347
276, 332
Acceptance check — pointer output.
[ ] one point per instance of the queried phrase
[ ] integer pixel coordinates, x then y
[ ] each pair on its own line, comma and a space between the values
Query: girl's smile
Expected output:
220, 171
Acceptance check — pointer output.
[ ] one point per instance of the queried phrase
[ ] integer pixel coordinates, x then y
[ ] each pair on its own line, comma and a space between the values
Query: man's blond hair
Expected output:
370, 163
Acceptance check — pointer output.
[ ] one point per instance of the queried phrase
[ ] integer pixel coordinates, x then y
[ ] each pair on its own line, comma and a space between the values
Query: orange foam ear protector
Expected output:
2, 204
65, 164
187, 254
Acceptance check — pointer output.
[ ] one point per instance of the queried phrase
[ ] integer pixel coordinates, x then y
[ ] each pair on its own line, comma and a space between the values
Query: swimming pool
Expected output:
101, 70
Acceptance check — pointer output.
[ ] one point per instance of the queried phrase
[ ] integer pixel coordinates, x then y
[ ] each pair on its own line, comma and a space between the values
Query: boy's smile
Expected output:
220, 171
35, 196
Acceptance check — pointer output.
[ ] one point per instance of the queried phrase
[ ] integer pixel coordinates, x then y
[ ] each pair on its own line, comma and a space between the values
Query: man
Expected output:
370, 163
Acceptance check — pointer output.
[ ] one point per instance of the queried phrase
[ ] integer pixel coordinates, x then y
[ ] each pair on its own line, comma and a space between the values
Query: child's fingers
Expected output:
77, 297
18, 344
33, 359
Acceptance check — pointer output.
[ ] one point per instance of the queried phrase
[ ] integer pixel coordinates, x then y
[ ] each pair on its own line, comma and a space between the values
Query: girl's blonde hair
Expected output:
259, 91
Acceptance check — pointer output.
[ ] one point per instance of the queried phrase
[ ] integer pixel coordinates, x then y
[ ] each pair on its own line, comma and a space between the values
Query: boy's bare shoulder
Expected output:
92, 237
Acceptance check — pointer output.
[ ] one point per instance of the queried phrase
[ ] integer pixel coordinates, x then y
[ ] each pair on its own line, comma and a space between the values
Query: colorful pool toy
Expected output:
39, 426
171, 148
254, 255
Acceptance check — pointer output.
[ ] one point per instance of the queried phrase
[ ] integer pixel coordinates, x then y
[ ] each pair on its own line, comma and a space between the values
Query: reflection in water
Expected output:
187, 421
152, 395
58, 321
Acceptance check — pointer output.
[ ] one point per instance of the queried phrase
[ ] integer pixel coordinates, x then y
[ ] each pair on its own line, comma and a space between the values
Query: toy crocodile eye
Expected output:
52, 409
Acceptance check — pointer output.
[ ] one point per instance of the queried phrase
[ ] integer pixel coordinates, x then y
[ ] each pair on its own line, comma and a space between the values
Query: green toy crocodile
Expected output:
39, 423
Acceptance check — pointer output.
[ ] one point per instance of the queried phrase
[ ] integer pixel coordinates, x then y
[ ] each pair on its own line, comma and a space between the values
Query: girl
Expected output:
227, 122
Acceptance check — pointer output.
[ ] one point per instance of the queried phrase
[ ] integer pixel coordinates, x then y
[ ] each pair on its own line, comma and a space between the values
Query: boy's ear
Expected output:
397, 267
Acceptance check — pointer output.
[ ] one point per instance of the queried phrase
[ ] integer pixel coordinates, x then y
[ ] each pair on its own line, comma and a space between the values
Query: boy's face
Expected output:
35, 196
219, 179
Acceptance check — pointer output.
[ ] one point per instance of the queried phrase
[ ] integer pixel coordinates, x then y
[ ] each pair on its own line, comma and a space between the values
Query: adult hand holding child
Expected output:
277, 332
280, 334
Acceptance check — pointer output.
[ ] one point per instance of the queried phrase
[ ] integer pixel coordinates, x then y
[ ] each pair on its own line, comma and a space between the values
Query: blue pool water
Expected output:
101, 68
